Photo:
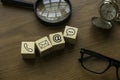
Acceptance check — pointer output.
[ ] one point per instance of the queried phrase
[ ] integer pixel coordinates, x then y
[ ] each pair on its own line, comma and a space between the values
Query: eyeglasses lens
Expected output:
95, 64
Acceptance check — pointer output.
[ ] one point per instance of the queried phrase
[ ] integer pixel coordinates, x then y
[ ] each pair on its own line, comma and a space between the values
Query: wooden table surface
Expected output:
17, 24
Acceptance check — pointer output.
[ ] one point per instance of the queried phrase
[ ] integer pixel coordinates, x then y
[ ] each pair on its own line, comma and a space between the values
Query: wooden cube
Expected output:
70, 34
57, 40
28, 49
44, 46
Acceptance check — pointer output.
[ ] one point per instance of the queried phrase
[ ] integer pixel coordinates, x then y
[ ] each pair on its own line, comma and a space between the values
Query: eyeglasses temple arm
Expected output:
92, 53
83, 51
85, 58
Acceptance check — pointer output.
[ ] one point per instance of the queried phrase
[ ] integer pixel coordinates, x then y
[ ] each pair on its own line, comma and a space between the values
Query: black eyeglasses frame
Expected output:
112, 62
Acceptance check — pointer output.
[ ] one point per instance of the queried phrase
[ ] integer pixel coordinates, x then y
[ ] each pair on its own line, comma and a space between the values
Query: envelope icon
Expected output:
43, 44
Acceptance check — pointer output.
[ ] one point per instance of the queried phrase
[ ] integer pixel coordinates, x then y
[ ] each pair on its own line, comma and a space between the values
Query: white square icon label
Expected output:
57, 40
27, 47
28, 50
70, 34
43, 45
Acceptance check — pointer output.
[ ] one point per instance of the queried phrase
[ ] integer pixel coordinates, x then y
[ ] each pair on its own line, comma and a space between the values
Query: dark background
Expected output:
17, 24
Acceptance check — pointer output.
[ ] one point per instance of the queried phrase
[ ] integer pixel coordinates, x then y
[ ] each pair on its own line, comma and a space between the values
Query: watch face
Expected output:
108, 11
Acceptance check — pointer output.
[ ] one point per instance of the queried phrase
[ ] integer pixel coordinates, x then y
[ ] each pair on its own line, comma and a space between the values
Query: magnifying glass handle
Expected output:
19, 3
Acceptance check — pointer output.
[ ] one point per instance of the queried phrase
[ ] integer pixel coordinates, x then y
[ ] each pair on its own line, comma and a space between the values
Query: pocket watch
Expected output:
109, 10
101, 23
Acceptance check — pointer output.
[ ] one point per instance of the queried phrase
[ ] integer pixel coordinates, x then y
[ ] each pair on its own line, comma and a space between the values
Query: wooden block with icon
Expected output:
57, 41
44, 46
70, 34
28, 49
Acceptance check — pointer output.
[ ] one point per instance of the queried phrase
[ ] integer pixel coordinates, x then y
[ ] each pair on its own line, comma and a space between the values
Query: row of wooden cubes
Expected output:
45, 45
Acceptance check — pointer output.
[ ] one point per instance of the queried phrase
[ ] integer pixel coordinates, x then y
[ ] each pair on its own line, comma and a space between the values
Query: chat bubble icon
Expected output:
70, 32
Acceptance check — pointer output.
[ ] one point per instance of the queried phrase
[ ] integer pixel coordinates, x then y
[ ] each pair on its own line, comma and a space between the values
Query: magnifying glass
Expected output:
50, 12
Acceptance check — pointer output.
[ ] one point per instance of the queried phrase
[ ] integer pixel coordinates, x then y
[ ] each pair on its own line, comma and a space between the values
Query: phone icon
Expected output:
27, 47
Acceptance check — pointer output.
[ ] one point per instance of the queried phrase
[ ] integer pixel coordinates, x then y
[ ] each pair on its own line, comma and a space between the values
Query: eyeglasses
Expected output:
97, 63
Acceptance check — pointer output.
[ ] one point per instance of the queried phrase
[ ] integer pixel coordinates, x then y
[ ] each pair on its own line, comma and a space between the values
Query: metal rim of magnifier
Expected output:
100, 23
50, 23
38, 3
114, 5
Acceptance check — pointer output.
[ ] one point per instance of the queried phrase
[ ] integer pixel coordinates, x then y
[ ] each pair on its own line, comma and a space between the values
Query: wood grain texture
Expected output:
17, 25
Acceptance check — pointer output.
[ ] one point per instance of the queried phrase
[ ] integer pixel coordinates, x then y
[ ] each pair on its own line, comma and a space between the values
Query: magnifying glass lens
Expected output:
53, 11
98, 22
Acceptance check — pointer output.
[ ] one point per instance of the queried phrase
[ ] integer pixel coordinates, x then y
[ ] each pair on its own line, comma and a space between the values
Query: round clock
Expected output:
109, 10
